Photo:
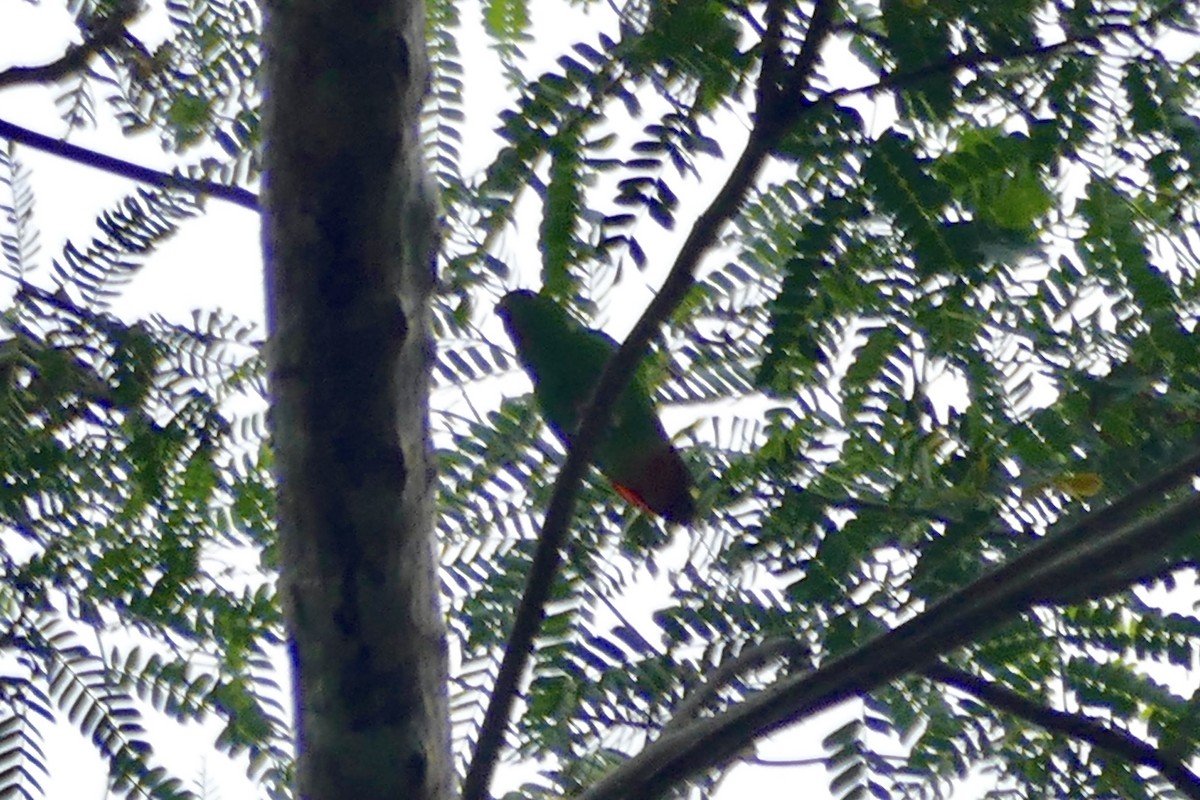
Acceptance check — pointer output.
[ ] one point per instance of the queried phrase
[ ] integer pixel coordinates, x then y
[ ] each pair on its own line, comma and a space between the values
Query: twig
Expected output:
128, 169
978, 58
751, 658
1079, 726
107, 33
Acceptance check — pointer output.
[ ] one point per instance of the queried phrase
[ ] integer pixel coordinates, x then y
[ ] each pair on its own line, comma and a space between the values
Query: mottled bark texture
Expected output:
348, 234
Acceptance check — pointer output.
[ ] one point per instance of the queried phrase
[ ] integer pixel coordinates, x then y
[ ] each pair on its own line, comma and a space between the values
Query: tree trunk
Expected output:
349, 241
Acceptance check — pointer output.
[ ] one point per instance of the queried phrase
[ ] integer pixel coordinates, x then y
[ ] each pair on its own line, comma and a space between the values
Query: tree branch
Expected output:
1079, 726
127, 169
768, 129
771, 74
1046, 570
751, 658
972, 59
101, 36
105, 34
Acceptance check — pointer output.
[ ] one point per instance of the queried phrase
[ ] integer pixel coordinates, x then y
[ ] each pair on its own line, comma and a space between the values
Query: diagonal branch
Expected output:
102, 36
1078, 726
127, 169
1046, 570
768, 129
751, 658
973, 59
771, 75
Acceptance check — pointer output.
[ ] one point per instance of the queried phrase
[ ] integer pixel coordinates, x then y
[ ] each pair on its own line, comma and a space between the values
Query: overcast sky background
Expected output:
215, 262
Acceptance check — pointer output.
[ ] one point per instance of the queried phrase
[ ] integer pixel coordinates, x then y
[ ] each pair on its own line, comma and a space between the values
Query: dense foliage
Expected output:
953, 309
134, 502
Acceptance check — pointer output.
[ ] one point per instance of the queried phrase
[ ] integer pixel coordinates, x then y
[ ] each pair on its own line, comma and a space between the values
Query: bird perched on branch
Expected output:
565, 361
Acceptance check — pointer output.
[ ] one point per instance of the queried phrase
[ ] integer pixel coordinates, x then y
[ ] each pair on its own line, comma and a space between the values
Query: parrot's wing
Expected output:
565, 360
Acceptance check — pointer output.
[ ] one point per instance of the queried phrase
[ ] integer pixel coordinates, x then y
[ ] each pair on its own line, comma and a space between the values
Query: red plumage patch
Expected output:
632, 497
664, 488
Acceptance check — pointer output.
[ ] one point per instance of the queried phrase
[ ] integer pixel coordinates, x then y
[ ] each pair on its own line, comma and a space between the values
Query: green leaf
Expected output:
506, 20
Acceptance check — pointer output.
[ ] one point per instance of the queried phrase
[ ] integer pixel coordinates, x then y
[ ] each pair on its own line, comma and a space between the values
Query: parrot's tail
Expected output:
664, 488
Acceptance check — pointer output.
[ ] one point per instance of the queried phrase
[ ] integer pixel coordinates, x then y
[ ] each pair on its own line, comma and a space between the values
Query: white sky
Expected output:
215, 263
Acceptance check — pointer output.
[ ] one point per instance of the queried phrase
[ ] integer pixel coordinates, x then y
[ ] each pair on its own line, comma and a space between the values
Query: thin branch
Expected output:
972, 59
798, 76
1052, 566
771, 75
1078, 726
812, 761
751, 658
127, 169
763, 137
104, 35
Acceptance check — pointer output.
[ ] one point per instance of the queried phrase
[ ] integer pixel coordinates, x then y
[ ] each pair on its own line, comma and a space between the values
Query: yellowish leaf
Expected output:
1079, 485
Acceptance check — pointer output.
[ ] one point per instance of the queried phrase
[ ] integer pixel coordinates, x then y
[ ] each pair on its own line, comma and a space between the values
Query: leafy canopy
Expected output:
952, 309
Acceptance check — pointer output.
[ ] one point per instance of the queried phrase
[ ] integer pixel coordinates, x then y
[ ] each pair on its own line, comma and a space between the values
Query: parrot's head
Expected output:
529, 316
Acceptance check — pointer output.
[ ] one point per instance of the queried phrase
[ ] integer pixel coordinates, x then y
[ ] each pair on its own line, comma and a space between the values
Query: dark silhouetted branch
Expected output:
127, 169
106, 33
1078, 726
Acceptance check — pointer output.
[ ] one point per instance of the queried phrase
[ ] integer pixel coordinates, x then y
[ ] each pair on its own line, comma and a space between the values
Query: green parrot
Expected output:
564, 361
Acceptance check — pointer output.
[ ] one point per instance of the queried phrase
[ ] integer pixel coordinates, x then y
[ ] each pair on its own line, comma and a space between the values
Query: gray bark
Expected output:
349, 220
